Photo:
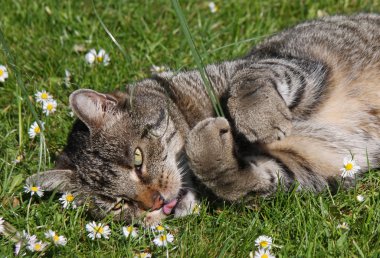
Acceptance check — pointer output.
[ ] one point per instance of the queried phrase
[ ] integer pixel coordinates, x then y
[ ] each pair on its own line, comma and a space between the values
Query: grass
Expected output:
42, 36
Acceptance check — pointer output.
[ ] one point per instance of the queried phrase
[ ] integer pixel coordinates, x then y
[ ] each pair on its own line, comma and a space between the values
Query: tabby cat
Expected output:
294, 107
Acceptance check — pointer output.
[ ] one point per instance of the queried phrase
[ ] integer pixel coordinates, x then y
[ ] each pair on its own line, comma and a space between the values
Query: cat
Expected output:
295, 107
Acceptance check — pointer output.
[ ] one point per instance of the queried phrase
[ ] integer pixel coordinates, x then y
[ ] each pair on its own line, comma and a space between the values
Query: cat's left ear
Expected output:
93, 108
60, 180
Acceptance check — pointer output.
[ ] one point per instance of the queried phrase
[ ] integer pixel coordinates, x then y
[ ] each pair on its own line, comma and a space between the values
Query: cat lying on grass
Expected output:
295, 106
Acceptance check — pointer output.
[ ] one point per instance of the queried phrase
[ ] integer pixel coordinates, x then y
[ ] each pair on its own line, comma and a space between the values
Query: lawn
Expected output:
45, 38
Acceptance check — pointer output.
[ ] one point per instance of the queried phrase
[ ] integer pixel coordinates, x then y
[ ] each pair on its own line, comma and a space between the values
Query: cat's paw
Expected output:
209, 147
261, 116
154, 218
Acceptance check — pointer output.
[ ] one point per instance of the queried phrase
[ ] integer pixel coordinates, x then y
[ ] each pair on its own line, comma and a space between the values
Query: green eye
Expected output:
117, 206
138, 158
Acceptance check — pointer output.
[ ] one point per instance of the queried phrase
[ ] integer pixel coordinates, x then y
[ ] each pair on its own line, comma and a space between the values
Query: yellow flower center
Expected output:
160, 228
349, 166
163, 238
99, 229
44, 95
34, 188
37, 129
55, 238
264, 256
37, 247
264, 244
130, 229
49, 106
1, 72
99, 58
69, 197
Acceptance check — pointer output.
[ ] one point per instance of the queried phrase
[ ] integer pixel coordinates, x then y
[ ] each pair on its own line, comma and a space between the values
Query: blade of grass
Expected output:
198, 60
109, 33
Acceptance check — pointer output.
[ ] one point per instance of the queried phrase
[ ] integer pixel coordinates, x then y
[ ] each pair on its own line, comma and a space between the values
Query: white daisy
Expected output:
1, 225
130, 231
97, 230
3, 73
34, 189
163, 239
158, 228
263, 253
213, 7
360, 198
349, 167
42, 96
97, 58
35, 129
49, 106
35, 246
196, 209
263, 242
67, 200
343, 225
143, 255
18, 159
57, 240
157, 69
24, 238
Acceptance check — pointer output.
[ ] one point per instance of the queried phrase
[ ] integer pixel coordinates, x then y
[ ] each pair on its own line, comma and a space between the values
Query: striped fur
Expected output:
295, 106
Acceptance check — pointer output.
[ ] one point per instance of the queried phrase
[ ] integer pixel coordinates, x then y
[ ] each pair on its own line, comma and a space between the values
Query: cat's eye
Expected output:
117, 206
138, 158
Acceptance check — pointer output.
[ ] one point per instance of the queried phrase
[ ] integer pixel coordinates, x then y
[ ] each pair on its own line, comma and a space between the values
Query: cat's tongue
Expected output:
167, 209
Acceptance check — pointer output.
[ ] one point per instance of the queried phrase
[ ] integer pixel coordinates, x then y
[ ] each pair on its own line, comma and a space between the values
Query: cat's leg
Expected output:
210, 149
266, 95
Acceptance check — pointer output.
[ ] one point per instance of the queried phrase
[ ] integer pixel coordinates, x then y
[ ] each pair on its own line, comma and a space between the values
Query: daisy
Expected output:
36, 246
57, 240
130, 231
143, 255
158, 228
49, 106
360, 198
157, 69
18, 159
163, 239
42, 96
263, 253
35, 129
197, 208
1, 225
24, 238
67, 200
344, 225
349, 167
33, 189
213, 7
97, 230
3, 73
263, 242
97, 58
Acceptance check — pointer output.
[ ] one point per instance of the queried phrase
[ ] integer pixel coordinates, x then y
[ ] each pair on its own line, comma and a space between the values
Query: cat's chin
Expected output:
169, 207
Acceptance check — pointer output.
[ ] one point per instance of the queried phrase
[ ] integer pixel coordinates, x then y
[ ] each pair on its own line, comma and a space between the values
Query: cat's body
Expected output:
295, 106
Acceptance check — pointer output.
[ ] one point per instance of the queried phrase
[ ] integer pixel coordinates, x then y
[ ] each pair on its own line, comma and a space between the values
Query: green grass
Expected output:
42, 35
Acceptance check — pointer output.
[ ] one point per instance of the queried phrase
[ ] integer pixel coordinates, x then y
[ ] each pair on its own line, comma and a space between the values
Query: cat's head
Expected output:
122, 155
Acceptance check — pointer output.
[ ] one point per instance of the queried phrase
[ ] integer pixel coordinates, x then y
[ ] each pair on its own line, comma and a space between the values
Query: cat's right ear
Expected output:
60, 180
93, 108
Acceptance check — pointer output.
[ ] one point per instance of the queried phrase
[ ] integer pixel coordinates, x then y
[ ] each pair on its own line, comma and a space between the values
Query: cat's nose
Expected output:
158, 201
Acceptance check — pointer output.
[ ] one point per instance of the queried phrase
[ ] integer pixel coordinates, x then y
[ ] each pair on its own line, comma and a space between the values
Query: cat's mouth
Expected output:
170, 206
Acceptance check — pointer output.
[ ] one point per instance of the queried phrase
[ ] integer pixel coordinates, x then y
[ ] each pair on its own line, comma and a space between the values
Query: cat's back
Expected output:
335, 40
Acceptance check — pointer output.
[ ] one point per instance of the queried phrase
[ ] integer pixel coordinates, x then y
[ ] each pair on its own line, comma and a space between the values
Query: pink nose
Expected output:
158, 201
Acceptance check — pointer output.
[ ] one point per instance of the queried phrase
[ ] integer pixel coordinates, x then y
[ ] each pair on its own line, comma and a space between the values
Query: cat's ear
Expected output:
60, 180
93, 108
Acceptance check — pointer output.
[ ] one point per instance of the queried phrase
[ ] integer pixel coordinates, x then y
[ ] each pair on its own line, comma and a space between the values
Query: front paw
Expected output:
209, 147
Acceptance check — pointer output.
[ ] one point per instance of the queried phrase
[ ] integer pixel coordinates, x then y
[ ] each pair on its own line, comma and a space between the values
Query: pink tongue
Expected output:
167, 209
